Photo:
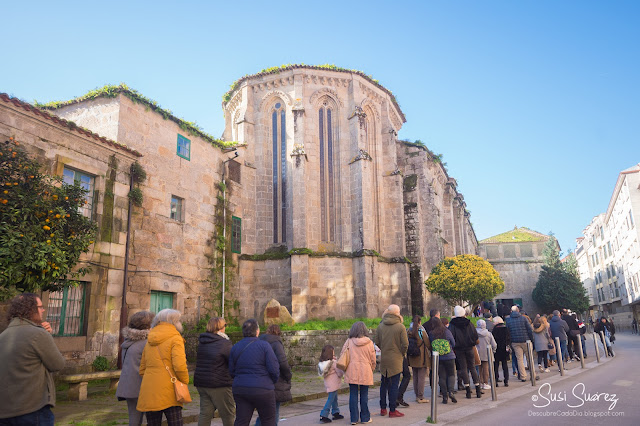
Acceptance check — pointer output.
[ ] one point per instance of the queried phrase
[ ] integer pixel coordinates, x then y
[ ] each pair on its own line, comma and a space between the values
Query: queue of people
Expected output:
236, 380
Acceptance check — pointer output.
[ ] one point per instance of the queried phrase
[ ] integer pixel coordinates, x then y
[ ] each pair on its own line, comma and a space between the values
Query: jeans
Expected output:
389, 386
259, 422
330, 405
360, 392
220, 399
406, 378
514, 362
42, 417
563, 350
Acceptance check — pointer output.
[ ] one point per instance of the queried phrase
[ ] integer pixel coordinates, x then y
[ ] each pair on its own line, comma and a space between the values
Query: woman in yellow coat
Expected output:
165, 346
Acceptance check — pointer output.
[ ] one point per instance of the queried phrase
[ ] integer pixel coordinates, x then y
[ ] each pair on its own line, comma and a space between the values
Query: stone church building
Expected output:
330, 213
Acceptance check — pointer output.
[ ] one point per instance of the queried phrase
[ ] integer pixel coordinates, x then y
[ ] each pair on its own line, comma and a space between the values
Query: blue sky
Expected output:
534, 104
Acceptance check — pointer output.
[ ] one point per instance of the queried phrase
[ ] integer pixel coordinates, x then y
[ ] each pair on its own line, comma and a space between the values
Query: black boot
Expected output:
478, 392
506, 383
468, 389
453, 398
444, 398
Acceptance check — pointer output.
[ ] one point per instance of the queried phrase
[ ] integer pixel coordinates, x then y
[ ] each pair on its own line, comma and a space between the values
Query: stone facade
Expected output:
59, 147
333, 216
517, 256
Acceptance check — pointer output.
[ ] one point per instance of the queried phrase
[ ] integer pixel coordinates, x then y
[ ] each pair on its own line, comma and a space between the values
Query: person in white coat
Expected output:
485, 340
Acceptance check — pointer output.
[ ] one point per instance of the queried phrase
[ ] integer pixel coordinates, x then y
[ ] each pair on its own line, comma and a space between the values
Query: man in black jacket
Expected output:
466, 337
572, 336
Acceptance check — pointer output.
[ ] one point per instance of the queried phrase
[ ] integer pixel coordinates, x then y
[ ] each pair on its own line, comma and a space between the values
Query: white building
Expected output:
608, 254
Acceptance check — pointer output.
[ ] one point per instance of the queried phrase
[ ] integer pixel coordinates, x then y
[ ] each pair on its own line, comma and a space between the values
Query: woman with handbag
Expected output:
135, 339
541, 343
163, 368
359, 360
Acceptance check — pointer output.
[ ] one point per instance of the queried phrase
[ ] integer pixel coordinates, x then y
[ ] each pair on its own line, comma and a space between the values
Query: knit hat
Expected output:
498, 320
481, 324
458, 311
394, 310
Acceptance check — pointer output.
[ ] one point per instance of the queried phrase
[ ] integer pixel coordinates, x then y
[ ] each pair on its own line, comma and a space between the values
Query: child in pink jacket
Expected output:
332, 380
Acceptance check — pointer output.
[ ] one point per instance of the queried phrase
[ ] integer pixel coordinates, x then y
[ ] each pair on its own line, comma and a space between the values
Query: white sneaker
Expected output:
540, 368
486, 386
546, 370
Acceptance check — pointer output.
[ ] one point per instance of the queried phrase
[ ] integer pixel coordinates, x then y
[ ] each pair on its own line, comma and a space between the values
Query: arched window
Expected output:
279, 140
372, 148
327, 177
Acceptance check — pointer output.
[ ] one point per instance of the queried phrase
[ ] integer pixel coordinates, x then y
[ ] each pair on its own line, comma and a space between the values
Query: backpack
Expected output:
441, 346
413, 349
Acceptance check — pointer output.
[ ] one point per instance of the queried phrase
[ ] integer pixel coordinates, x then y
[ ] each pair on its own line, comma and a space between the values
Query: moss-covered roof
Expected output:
276, 70
111, 91
67, 123
516, 235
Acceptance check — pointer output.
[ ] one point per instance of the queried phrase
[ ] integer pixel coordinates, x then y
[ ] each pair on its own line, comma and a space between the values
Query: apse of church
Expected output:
321, 149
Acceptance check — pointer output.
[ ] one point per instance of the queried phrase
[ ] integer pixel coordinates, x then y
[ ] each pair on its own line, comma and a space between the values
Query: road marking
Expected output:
623, 383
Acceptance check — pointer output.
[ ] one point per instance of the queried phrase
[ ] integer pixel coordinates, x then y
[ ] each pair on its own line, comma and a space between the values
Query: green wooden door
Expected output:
161, 300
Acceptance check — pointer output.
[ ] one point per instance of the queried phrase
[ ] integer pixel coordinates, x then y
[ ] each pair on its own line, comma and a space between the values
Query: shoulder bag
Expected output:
343, 361
182, 391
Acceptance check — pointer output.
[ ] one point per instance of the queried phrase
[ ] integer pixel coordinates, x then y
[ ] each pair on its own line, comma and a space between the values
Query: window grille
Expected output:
65, 311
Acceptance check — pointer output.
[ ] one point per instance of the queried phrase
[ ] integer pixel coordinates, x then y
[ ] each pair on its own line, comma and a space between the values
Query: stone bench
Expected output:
78, 382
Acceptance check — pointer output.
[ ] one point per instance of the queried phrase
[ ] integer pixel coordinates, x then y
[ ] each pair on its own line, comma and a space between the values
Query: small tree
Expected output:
559, 283
42, 232
465, 280
557, 289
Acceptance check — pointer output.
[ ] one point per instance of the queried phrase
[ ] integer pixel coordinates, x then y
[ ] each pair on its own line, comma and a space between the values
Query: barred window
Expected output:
66, 311
236, 234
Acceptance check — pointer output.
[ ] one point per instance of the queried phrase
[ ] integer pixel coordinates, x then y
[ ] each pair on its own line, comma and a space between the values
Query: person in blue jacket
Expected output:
255, 369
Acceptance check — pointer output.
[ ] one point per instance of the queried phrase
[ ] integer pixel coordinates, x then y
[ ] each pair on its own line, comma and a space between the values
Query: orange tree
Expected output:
42, 232
464, 280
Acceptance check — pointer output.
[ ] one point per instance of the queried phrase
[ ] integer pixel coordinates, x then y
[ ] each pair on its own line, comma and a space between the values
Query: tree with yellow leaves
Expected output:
465, 280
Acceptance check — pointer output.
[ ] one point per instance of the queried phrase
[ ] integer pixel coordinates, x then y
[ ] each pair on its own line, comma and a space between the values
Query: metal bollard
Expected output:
581, 351
559, 356
595, 344
435, 366
492, 377
532, 368
604, 344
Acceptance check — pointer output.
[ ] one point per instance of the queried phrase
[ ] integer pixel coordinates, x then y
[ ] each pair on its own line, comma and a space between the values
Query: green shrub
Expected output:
100, 363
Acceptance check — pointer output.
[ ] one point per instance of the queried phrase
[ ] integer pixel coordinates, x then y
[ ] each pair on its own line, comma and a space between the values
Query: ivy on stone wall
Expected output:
221, 250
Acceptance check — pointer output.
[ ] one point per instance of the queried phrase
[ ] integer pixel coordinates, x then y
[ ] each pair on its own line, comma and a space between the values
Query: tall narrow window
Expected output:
279, 143
372, 149
327, 178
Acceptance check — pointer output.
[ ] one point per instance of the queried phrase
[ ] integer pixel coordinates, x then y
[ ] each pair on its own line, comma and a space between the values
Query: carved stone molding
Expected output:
371, 94
273, 84
276, 93
325, 91
235, 101
328, 81
394, 119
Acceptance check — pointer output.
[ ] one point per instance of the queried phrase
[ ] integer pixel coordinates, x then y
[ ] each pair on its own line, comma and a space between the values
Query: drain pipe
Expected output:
224, 228
124, 314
